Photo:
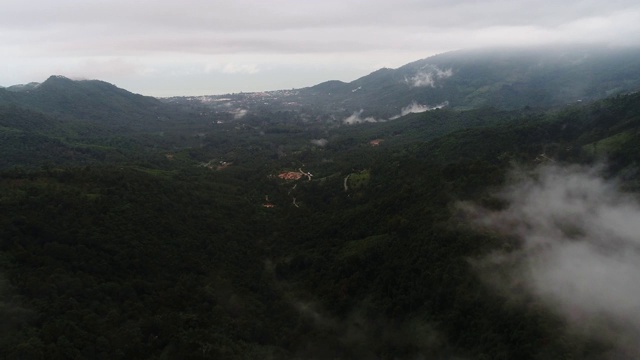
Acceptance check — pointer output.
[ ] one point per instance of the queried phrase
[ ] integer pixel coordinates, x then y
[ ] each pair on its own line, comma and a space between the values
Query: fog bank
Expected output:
579, 251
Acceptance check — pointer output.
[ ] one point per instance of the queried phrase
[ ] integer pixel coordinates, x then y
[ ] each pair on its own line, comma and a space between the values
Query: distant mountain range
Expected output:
503, 78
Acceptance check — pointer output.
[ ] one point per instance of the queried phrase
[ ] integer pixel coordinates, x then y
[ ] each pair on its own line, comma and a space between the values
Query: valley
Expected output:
356, 220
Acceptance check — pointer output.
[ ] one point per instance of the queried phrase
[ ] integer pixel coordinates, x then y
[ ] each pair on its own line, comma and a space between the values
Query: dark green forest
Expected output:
174, 238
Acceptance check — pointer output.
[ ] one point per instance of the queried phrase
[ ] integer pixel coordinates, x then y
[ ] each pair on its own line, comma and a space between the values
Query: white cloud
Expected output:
414, 108
240, 69
239, 113
104, 68
356, 118
418, 108
580, 250
320, 142
428, 75
231, 68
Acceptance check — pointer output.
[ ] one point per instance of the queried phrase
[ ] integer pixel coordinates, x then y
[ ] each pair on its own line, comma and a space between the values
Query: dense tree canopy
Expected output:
186, 243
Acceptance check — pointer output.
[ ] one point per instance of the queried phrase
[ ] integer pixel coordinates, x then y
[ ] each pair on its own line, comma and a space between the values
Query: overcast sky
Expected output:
196, 47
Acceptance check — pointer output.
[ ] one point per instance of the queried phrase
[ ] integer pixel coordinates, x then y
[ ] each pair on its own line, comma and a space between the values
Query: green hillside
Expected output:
138, 229
506, 78
92, 101
162, 258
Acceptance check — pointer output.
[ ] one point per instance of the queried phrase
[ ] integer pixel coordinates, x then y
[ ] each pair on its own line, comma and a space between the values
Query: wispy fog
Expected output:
428, 76
414, 108
364, 336
362, 333
356, 118
580, 250
239, 113
320, 142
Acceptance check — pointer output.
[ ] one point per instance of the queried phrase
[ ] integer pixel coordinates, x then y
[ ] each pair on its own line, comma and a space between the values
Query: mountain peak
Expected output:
56, 81
58, 78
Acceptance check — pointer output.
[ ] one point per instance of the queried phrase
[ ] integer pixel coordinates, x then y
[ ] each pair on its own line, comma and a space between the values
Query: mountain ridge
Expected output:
88, 100
504, 78
507, 78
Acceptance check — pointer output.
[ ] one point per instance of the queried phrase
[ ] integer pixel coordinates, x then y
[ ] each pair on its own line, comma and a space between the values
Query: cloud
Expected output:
239, 113
428, 75
414, 108
109, 67
362, 332
579, 253
326, 40
361, 335
232, 68
320, 142
240, 69
356, 118
287, 14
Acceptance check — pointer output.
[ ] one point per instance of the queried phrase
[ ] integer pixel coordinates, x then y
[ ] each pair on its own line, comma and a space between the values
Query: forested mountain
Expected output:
88, 100
62, 121
503, 78
277, 236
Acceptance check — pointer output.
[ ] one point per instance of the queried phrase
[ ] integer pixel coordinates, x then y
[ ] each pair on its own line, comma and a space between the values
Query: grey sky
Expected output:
195, 47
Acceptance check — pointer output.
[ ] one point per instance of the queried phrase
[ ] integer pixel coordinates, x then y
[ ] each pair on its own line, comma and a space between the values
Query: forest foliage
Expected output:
159, 244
